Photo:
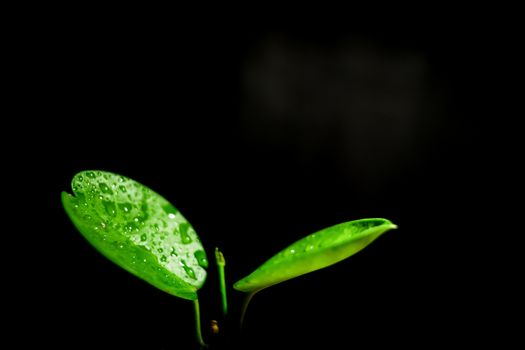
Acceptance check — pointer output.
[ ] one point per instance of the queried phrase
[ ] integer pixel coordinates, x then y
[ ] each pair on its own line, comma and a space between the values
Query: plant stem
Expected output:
221, 262
198, 324
247, 300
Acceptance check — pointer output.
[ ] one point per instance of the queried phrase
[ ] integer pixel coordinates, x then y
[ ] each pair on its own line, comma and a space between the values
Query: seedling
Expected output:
144, 234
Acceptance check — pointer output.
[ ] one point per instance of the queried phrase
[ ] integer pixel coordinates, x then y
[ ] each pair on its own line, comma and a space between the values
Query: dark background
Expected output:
261, 136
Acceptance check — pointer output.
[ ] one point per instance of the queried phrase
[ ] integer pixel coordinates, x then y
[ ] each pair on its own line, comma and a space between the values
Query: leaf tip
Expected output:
239, 286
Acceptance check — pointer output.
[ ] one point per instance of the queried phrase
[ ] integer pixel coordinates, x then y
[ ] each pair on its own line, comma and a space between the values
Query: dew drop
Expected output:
110, 208
144, 208
200, 255
143, 237
170, 210
90, 174
189, 271
130, 227
105, 188
120, 179
309, 248
292, 251
183, 229
80, 178
125, 207
160, 250
122, 188
163, 258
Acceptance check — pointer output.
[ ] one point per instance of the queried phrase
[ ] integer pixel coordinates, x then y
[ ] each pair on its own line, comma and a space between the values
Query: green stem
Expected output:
221, 262
245, 304
198, 324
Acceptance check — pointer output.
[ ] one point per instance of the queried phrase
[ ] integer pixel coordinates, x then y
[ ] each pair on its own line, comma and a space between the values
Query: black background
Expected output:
177, 111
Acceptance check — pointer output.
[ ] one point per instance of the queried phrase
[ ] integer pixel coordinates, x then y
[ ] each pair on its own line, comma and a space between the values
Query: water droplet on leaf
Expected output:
183, 230
130, 227
125, 207
189, 271
105, 188
200, 255
110, 208
170, 210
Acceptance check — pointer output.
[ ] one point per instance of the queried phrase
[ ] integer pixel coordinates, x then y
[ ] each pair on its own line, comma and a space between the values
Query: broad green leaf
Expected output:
138, 230
314, 252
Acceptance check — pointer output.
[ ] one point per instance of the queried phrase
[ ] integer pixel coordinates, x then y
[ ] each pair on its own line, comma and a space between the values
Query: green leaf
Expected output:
138, 230
314, 252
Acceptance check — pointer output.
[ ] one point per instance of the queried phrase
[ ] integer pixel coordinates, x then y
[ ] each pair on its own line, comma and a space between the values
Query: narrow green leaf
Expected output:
314, 252
138, 230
